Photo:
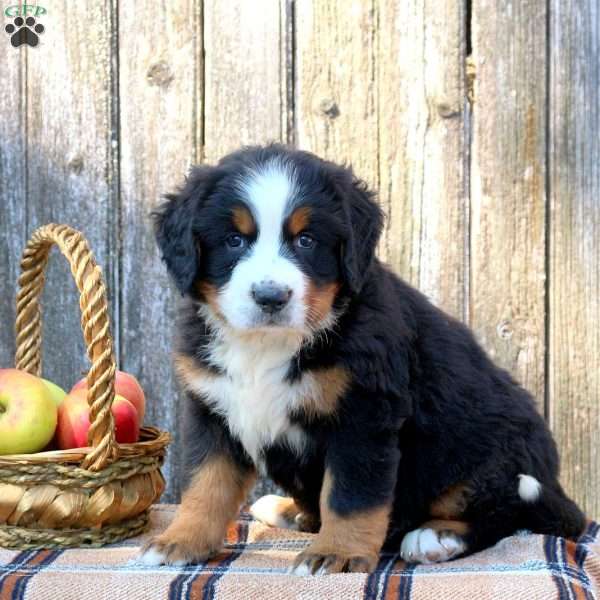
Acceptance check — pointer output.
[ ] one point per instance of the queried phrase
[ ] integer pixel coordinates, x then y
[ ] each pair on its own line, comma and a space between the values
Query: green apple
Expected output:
57, 393
28, 413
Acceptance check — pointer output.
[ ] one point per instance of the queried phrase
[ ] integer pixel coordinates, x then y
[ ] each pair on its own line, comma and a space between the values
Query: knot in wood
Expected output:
160, 74
446, 110
75, 164
329, 108
504, 330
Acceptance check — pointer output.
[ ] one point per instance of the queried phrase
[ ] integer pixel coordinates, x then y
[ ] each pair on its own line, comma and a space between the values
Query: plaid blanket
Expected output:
254, 563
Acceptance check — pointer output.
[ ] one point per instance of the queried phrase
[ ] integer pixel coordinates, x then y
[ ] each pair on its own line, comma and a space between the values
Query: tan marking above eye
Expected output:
298, 220
243, 220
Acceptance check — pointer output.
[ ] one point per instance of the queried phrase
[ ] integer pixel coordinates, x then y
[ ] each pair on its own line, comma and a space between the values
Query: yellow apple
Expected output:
57, 393
27, 413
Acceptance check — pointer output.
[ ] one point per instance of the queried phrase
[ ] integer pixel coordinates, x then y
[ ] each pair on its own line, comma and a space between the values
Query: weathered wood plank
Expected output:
574, 278
507, 186
13, 208
422, 146
160, 81
246, 74
70, 162
336, 110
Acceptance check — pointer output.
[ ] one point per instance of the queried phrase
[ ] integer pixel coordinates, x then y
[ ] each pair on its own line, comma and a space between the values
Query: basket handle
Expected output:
94, 322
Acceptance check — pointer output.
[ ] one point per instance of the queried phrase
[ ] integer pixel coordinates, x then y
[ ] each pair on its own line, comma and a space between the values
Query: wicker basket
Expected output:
85, 496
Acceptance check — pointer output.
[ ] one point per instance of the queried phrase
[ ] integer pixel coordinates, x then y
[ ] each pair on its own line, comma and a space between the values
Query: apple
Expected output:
57, 393
28, 413
74, 420
127, 420
126, 385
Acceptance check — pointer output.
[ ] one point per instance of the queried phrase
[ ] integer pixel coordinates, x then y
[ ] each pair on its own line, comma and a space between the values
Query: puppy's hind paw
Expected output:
276, 511
428, 546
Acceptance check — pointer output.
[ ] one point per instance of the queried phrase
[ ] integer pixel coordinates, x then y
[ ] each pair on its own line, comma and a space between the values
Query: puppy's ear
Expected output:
174, 227
365, 222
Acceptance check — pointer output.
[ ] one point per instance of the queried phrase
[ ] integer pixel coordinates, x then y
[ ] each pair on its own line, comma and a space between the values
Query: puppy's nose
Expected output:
270, 296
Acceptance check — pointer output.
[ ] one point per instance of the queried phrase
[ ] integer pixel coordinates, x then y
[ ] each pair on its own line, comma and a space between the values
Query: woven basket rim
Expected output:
155, 442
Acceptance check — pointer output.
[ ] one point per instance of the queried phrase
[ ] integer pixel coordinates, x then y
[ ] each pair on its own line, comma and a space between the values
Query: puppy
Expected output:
304, 358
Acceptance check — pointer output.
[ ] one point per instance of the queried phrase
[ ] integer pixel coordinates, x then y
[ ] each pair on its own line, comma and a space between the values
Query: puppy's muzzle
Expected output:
270, 297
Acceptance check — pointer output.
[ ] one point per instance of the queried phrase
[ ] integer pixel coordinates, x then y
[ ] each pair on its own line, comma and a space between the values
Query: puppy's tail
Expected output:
547, 509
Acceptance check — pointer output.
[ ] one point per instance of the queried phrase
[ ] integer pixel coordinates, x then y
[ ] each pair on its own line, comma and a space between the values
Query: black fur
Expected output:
426, 408
176, 227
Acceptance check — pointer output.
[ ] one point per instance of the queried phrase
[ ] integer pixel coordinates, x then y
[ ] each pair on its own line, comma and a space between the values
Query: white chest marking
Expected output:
253, 395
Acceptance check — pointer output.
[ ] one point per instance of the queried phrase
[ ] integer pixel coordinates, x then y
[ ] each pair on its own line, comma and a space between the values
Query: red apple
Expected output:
126, 385
74, 421
27, 413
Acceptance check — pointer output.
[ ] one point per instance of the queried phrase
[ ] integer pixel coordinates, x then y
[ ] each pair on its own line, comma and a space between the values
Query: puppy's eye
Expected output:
235, 240
304, 241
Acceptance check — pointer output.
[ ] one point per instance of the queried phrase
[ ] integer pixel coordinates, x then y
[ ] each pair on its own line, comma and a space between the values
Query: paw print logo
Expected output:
24, 31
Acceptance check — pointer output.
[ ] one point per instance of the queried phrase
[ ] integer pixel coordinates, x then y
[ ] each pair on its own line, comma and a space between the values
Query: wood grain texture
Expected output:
247, 78
507, 186
70, 177
13, 207
422, 111
335, 94
574, 277
160, 81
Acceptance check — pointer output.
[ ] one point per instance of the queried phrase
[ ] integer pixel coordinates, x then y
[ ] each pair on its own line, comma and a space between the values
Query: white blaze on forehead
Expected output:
268, 190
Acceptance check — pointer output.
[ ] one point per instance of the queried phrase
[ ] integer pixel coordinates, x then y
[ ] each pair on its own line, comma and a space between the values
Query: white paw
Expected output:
426, 546
153, 557
301, 570
270, 510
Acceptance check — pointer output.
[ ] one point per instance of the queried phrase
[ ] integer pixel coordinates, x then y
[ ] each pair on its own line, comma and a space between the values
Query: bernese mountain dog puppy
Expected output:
305, 358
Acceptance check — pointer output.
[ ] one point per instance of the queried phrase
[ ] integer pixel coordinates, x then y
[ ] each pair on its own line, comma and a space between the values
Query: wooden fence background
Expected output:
478, 122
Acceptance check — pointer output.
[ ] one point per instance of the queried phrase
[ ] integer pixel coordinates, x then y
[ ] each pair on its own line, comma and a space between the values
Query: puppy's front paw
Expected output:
169, 549
315, 561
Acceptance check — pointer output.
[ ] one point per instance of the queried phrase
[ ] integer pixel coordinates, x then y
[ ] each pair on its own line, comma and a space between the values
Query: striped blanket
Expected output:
254, 563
